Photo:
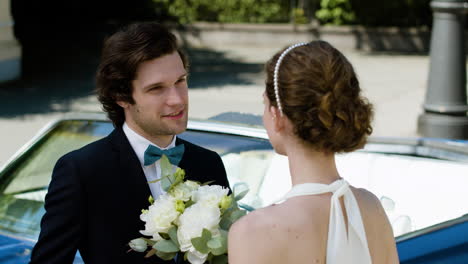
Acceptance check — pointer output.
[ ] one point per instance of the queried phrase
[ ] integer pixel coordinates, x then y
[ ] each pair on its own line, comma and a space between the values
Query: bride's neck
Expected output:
308, 165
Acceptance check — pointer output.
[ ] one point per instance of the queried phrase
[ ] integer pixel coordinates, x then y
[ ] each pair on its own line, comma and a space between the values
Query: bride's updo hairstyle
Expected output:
319, 93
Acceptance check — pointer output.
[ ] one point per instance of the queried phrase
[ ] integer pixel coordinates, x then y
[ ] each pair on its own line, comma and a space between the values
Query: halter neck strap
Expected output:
346, 243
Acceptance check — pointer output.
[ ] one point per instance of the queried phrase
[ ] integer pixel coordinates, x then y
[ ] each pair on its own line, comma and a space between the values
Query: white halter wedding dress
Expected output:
342, 247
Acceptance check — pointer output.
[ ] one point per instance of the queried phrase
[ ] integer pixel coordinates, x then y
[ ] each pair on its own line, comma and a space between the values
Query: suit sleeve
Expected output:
61, 225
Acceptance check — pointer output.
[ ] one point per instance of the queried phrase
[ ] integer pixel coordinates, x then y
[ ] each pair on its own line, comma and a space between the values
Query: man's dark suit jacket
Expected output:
95, 200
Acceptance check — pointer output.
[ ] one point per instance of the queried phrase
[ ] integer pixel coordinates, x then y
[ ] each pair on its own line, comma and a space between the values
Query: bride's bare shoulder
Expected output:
253, 237
256, 221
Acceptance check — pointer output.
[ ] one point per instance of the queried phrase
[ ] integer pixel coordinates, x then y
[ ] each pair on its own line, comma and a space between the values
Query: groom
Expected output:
97, 193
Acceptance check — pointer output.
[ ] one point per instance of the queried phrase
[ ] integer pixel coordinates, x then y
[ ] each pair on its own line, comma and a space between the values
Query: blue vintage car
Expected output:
422, 183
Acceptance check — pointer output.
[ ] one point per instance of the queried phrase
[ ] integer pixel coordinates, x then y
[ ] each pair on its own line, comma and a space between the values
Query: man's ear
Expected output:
123, 104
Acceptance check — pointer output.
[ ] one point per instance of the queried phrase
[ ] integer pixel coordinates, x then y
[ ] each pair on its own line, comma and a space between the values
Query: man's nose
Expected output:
176, 95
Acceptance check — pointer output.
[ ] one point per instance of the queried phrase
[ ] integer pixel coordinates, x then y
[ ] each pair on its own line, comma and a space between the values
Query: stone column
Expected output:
445, 106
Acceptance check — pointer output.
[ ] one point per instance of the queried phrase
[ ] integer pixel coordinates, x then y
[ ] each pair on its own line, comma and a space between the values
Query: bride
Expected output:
314, 109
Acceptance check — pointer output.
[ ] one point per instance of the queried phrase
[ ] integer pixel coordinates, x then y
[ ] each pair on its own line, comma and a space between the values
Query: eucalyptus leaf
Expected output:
200, 243
166, 166
207, 183
214, 243
236, 215
167, 177
150, 253
166, 246
189, 203
239, 190
173, 235
223, 240
221, 249
149, 241
165, 256
225, 222
246, 207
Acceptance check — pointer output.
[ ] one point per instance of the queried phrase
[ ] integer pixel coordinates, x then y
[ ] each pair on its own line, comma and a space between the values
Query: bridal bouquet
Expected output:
190, 218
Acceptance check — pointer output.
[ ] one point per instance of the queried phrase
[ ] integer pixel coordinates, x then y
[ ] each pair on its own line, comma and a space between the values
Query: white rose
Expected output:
191, 224
210, 195
159, 217
183, 191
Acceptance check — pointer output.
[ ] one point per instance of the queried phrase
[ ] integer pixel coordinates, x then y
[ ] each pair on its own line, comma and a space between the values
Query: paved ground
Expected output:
223, 79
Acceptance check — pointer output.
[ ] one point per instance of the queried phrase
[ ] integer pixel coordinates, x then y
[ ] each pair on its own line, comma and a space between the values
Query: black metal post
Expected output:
446, 105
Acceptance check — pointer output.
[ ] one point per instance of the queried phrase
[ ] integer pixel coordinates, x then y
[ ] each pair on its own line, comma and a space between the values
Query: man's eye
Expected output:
154, 88
181, 80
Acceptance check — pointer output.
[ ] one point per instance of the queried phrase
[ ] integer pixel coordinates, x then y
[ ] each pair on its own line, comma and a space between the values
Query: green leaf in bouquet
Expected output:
167, 177
225, 222
222, 259
149, 241
150, 253
166, 246
239, 190
214, 243
218, 245
173, 235
230, 216
165, 256
200, 243
189, 203
207, 183
236, 214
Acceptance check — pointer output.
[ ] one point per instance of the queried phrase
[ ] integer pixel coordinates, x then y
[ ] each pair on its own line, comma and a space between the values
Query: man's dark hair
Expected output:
122, 53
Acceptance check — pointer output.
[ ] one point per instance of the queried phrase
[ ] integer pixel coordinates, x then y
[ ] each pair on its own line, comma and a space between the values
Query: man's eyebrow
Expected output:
152, 85
183, 75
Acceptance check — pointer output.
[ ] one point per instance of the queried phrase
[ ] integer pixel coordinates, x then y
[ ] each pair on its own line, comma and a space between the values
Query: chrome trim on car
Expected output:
432, 228
216, 127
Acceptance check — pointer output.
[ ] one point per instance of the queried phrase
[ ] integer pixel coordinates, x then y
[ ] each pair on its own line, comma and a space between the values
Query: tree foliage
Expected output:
227, 11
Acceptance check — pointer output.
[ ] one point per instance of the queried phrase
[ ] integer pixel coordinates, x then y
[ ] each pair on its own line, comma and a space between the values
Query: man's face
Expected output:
160, 93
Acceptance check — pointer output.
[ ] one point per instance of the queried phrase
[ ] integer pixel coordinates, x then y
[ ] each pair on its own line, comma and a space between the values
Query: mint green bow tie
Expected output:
153, 154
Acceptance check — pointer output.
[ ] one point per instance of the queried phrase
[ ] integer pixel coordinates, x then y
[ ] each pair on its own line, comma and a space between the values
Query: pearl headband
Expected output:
275, 77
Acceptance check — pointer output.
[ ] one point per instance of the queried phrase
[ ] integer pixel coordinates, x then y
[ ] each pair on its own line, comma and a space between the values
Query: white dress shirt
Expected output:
152, 171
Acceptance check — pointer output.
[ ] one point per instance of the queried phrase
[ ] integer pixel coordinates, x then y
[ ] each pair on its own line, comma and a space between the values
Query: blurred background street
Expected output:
395, 84
225, 75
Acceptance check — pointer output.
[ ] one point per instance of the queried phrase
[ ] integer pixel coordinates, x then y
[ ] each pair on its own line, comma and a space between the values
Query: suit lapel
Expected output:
132, 177
184, 162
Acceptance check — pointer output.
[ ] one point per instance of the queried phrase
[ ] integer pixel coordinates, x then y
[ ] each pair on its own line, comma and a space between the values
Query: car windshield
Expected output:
23, 184
416, 191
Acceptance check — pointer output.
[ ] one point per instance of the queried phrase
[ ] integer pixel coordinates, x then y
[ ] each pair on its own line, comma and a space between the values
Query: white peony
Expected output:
183, 191
191, 224
159, 217
210, 195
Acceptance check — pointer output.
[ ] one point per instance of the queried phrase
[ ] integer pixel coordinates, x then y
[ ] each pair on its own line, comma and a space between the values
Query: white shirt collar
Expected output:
140, 144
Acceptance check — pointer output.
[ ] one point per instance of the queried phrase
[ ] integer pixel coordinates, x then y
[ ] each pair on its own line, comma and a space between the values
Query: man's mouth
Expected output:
175, 115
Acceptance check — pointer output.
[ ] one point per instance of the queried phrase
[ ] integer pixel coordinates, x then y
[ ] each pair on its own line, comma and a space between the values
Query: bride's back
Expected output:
296, 231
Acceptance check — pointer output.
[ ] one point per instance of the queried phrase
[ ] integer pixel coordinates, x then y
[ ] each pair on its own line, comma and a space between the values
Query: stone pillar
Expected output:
445, 106
9, 48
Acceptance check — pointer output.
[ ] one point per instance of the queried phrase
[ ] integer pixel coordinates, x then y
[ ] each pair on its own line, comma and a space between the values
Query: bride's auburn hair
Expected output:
320, 93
